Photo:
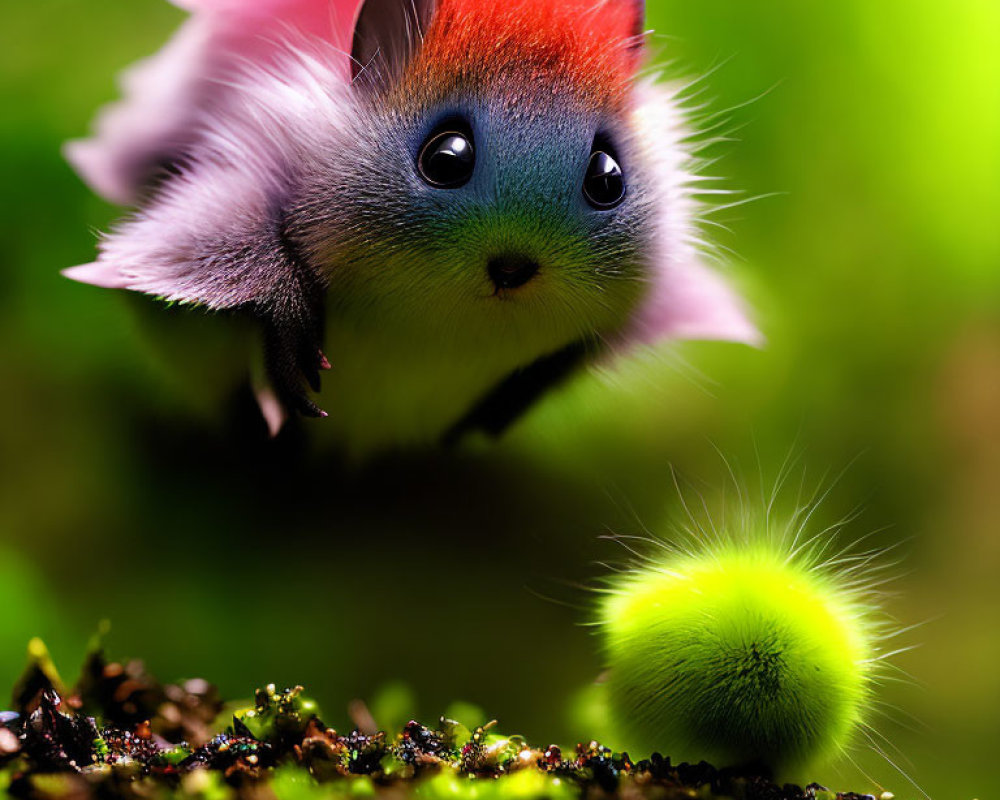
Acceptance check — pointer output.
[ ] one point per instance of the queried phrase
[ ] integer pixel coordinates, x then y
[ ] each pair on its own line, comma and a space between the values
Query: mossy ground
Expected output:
119, 733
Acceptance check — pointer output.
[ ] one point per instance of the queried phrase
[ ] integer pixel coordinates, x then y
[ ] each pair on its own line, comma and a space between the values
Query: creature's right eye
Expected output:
603, 185
447, 159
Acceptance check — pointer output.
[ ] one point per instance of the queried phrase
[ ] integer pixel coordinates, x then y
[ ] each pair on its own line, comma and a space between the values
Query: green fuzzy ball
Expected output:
739, 655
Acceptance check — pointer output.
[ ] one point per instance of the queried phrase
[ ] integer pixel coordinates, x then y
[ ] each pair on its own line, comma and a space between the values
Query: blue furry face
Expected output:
516, 242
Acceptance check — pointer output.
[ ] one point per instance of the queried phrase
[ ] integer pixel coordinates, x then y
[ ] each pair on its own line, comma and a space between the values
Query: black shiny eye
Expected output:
603, 185
447, 159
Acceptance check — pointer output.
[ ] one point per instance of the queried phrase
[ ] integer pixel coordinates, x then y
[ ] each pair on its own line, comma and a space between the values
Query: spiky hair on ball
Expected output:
748, 643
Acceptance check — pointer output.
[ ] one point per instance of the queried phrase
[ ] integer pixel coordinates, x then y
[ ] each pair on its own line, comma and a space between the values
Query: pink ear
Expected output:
690, 301
275, 8
165, 95
686, 299
107, 276
329, 20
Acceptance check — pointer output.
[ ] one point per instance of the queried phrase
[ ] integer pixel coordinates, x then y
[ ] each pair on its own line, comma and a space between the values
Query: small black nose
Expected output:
511, 270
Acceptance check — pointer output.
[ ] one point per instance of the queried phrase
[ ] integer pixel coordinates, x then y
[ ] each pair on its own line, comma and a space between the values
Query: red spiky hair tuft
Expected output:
591, 47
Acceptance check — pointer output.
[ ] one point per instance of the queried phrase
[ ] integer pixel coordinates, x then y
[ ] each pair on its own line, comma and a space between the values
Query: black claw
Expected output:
293, 337
293, 360
312, 377
307, 408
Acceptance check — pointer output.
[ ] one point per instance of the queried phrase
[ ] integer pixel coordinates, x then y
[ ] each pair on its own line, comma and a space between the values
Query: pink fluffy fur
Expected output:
163, 93
686, 299
221, 201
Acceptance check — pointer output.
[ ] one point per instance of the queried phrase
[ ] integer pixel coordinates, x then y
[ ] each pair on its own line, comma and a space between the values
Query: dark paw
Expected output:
293, 356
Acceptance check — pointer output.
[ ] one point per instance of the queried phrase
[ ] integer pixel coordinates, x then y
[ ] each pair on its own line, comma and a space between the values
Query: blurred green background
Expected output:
130, 491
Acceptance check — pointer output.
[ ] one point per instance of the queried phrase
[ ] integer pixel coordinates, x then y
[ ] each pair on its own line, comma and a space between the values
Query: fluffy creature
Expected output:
459, 200
745, 651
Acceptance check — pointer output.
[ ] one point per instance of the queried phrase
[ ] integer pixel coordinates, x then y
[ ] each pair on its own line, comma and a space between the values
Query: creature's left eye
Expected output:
604, 184
447, 159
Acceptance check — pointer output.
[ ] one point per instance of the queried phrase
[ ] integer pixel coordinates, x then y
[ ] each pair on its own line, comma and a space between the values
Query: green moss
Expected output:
106, 747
